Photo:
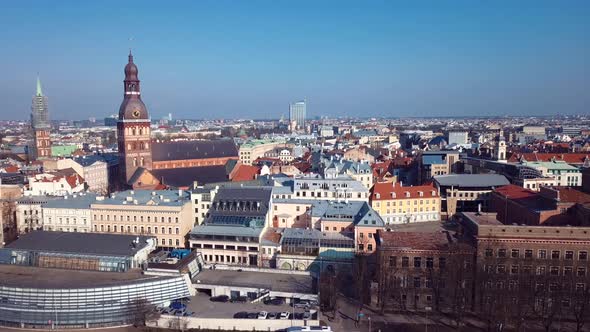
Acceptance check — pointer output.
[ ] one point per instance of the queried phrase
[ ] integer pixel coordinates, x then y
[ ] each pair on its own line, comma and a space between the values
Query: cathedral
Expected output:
144, 164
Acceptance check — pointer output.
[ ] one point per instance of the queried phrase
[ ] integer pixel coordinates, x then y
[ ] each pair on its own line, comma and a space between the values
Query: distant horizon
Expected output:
233, 60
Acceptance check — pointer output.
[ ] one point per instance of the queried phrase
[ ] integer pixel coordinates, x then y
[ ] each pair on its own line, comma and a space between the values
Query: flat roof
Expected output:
472, 180
38, 277
278, 282
80, 243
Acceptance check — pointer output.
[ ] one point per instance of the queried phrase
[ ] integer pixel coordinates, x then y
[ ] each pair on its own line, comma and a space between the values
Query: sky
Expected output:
250, 59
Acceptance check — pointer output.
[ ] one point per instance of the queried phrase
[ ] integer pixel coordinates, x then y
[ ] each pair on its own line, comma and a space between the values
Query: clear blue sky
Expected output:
232, 59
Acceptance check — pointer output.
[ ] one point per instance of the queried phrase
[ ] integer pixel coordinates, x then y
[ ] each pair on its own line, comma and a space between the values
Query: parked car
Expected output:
275, 301
284, 315
239, 299
179, 312
220, 298
306, 315
241, 314
298, 316
262, 315
273, 315
189, 314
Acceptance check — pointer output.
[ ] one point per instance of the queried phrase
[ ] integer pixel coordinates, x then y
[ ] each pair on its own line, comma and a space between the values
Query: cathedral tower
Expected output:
133, 127
40, 124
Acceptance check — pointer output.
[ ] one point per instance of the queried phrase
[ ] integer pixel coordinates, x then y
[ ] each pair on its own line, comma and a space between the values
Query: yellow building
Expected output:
401, 205
164, 214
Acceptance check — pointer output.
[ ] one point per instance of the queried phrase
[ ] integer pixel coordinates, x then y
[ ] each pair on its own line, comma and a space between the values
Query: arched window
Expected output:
134, 162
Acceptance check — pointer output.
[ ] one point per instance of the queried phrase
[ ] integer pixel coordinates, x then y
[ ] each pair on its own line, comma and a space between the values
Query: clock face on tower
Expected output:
136, 113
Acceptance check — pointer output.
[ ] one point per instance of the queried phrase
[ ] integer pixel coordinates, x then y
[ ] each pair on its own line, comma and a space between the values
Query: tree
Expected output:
143, 311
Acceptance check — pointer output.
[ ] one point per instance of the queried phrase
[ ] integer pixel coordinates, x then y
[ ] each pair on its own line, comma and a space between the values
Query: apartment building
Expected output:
254, 149
70, 214
341, 187
466, 192
163, 214
528, 270
424, 267
399, 205
232, 230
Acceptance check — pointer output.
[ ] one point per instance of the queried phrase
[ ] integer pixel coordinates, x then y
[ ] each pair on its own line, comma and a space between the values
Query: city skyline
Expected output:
210, 60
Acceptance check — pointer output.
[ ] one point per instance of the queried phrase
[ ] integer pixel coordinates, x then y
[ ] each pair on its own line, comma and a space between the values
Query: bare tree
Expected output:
144, 312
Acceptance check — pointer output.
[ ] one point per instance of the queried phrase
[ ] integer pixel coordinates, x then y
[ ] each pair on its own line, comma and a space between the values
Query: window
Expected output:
540, 270
501, 253
528, 253
542, 254
580, 287
370, 247
514, 269
554, 270
581, 271
429, 262
405, 261
489, 252
569, 255
567, 271
393, 261
555, 254
527, 269
442, 262
361, 247
416, 282
417, 262
515, 253
583, 255
501, 269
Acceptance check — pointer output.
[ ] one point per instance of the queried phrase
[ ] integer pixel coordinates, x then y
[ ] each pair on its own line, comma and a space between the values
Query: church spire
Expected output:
39, 91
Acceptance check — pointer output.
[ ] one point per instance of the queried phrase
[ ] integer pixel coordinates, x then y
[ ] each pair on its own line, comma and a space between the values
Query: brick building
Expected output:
424, 267
549, 206
525, 272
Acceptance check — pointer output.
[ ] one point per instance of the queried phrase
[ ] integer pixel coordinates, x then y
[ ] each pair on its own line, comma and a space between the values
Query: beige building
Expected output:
70, 214
162, 213
254, 149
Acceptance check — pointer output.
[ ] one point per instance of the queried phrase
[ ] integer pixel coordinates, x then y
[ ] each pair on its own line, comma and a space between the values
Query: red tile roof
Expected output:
570, 158
385, 190
571, 195
515, 192
245, 173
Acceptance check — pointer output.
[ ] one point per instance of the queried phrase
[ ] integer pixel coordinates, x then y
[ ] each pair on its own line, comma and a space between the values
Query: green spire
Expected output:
39, 92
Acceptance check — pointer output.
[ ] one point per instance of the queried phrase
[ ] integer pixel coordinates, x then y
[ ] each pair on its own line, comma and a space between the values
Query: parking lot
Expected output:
203, 307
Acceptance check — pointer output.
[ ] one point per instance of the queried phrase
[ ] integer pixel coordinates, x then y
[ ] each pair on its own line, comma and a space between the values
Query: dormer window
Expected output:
433, 193
407, 194
392, 195
421, 194
377, 195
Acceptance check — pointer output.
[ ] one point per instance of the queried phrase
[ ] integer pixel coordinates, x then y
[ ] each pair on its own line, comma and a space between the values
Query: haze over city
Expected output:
225, 59
295, 166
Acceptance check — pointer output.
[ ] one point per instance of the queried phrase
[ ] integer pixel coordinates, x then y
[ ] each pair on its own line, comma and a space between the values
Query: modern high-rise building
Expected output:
40, 124
297, 114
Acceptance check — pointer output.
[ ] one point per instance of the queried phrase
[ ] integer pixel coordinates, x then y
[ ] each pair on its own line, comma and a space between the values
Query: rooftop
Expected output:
71, 202
471, 180
37, 277
437, 239
384, 191
201, 149
145, 197
281, 282
79, 243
